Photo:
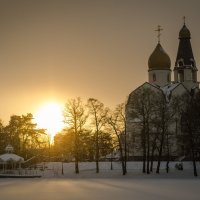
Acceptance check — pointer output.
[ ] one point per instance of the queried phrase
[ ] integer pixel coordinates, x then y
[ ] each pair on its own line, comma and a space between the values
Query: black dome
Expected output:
159, 59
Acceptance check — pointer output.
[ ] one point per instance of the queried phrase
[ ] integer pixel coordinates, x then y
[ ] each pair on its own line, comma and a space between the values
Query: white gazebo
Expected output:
9, 160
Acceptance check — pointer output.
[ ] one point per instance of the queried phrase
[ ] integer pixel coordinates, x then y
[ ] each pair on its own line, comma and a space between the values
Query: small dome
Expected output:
159, 59
184, 32
9, 148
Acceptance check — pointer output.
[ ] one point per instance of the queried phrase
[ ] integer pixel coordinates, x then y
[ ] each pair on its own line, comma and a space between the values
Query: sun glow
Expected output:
50, 117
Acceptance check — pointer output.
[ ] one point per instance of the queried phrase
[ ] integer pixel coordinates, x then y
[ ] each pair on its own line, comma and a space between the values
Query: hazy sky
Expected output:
60, 49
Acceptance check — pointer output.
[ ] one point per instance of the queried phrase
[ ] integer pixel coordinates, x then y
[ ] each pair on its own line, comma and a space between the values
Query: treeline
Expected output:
92, 132
26, 139
160, 123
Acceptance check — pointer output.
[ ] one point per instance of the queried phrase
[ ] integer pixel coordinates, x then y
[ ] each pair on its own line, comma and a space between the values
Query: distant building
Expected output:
159, 80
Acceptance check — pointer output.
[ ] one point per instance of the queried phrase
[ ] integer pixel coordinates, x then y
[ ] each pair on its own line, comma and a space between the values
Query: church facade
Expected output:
159, 80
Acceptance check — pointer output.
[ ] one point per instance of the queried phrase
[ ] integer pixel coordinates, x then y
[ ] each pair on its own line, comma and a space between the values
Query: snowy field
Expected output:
107, 185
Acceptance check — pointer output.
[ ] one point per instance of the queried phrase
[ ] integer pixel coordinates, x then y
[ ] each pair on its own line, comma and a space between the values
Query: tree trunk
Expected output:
125, 152
152, 157
194, 167
97, 152
76, 150
161, 144
160, 154
193, 154
144, 149
76, 166
122, 158
97, 166
168, 155
144, 161
167, 166
151, 166
76, 158
148, 149
123, 166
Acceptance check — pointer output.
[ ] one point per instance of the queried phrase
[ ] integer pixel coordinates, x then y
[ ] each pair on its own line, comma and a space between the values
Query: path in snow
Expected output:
106, 189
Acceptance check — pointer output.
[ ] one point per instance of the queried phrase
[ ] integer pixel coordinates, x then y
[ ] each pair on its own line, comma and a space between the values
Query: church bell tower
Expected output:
185, 70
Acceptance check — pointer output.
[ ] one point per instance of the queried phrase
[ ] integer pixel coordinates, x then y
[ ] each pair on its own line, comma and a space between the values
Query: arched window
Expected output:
154, 77
180, 63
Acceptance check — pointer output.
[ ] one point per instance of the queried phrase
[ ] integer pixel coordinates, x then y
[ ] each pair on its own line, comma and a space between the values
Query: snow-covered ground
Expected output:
87, 170
107, 185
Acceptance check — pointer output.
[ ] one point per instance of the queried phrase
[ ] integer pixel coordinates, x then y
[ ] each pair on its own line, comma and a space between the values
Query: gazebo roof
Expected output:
10, 157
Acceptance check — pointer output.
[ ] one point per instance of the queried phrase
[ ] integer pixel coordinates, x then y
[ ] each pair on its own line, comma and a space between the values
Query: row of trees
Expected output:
190, 121
160, 118
93, 132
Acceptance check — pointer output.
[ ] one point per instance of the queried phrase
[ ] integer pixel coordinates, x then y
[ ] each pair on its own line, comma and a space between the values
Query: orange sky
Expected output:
55, 50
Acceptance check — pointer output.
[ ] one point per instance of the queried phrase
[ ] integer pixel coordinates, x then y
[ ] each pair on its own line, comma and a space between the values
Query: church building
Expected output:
159, 80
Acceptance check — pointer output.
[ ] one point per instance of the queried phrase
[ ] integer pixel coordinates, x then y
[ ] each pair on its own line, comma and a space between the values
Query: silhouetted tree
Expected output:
75, 117
23, 134
97, 113
116, 120
190, 121
2, 138
165, 111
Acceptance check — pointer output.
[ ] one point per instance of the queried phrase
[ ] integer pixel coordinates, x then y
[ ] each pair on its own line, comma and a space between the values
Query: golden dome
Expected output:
159, 59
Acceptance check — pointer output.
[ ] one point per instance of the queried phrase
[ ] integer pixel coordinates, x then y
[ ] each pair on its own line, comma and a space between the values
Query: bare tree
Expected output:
75, 117
141, 105
98, 114
117, 122
190, 121
154, 145
165, 111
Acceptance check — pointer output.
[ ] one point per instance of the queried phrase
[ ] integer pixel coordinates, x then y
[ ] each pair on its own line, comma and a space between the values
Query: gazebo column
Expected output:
20, 168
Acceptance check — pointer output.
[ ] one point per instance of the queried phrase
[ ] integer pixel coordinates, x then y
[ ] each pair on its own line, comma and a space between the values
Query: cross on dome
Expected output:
159, 32
184, 20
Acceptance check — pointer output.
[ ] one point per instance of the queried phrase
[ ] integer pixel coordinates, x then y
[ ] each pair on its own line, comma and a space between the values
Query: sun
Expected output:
50, 117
